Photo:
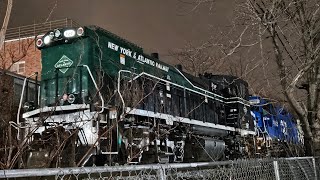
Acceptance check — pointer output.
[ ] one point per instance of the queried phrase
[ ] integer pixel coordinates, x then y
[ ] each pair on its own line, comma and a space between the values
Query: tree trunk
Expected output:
5, 23
316, 137
308, 144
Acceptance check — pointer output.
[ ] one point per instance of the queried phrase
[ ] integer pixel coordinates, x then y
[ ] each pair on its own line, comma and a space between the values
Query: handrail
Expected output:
96, 86
35, 29
196, 87
205, 94
20, 103
118, 88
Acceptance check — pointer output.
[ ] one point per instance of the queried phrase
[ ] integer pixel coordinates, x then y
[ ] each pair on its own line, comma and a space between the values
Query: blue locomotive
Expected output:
278, 133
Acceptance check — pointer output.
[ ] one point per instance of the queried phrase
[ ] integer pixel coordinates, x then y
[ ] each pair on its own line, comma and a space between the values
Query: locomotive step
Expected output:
109, 153
168, 154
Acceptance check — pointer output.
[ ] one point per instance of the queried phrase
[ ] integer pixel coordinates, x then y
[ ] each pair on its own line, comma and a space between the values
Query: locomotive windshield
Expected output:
64, 90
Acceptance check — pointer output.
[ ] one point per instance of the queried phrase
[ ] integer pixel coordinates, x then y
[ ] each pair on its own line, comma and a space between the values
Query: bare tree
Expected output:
286, 35
11, 53
291, 27
218, 52
5, 23
283, 38
15, 52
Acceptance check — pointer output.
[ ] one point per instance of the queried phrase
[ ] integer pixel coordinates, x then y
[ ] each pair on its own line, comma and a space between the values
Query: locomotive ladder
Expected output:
106, 137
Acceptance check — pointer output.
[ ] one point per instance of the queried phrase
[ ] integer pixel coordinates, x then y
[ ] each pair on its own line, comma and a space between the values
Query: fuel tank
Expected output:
204, 149
201, 130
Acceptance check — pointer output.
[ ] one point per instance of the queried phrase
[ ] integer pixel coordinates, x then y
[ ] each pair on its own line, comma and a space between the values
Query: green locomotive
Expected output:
104, 101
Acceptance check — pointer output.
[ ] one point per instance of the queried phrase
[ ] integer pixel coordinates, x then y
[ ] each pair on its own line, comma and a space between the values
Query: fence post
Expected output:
276, 170
315, 168
161, 173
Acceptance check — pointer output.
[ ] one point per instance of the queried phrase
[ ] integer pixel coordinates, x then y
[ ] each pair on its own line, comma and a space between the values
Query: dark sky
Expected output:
155, 25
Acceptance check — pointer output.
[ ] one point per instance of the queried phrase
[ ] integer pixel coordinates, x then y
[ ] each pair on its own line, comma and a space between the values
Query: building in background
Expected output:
19, 54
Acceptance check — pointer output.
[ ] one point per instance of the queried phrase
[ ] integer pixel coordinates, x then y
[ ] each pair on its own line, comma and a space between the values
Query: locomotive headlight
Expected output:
254, 101
46, 40
69, 33
80, 31
51, 35
57, 33
39, 42
26, 106
71, 98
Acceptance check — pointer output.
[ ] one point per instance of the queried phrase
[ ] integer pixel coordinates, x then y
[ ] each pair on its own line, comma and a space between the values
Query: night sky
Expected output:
159, 26
156, 25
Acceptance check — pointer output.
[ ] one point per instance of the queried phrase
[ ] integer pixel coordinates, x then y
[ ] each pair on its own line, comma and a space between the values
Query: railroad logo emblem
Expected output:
63, 64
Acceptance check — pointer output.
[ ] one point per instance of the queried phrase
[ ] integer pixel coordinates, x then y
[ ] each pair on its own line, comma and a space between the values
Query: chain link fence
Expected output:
263, 169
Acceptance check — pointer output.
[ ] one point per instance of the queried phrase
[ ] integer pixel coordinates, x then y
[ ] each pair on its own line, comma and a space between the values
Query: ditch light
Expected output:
68, 99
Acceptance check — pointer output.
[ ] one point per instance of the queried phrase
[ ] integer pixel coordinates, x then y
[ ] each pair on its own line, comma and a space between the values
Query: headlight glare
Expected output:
57, 33
80, 31
47, 39
39, 42
71, 98
51, 35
